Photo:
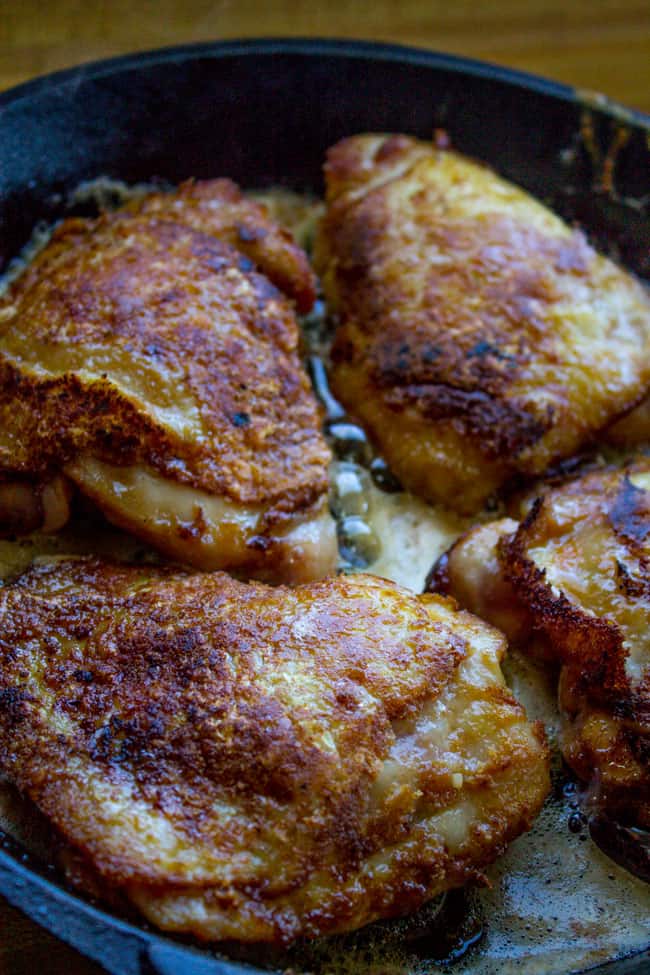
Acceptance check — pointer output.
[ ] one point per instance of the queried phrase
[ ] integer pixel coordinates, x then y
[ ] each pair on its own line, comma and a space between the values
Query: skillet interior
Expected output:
263, 112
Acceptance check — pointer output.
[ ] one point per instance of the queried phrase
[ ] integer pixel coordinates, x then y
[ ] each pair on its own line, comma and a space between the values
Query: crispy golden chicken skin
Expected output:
218, 207
152, 365
480, 337
250, 763
574, 578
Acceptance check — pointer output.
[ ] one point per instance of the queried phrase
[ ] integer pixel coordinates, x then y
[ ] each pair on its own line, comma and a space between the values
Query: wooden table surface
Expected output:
603, 45
596, 44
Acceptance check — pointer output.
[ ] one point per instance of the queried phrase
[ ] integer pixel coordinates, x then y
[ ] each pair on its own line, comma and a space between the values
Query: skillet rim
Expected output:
334, 46
117, 945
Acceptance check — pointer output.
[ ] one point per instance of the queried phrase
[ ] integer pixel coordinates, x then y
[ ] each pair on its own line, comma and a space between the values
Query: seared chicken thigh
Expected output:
218, 207
154, 367
572, 581
479, 336
242, 762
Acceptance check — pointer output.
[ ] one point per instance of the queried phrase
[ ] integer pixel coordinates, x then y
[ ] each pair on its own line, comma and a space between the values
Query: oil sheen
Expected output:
556, 904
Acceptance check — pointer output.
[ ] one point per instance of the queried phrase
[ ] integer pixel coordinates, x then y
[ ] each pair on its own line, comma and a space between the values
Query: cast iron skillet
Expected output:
264, 112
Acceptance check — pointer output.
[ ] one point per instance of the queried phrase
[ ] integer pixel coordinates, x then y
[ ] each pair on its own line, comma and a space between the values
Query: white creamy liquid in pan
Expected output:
556, 905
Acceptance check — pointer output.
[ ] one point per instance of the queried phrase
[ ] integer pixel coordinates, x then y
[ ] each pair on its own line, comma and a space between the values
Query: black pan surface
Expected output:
263, 112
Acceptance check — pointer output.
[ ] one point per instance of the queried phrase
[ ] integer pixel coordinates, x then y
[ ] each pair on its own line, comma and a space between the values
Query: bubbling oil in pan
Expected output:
556, 903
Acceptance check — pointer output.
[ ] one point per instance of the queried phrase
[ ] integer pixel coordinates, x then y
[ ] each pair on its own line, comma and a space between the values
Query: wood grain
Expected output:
601, 45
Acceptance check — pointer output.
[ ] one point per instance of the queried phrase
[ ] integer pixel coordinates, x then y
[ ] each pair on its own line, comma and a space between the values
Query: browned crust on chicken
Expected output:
138, 340
607, 746
218, 207
605, 533
571, 584
259, 764
597, 530
479, 336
